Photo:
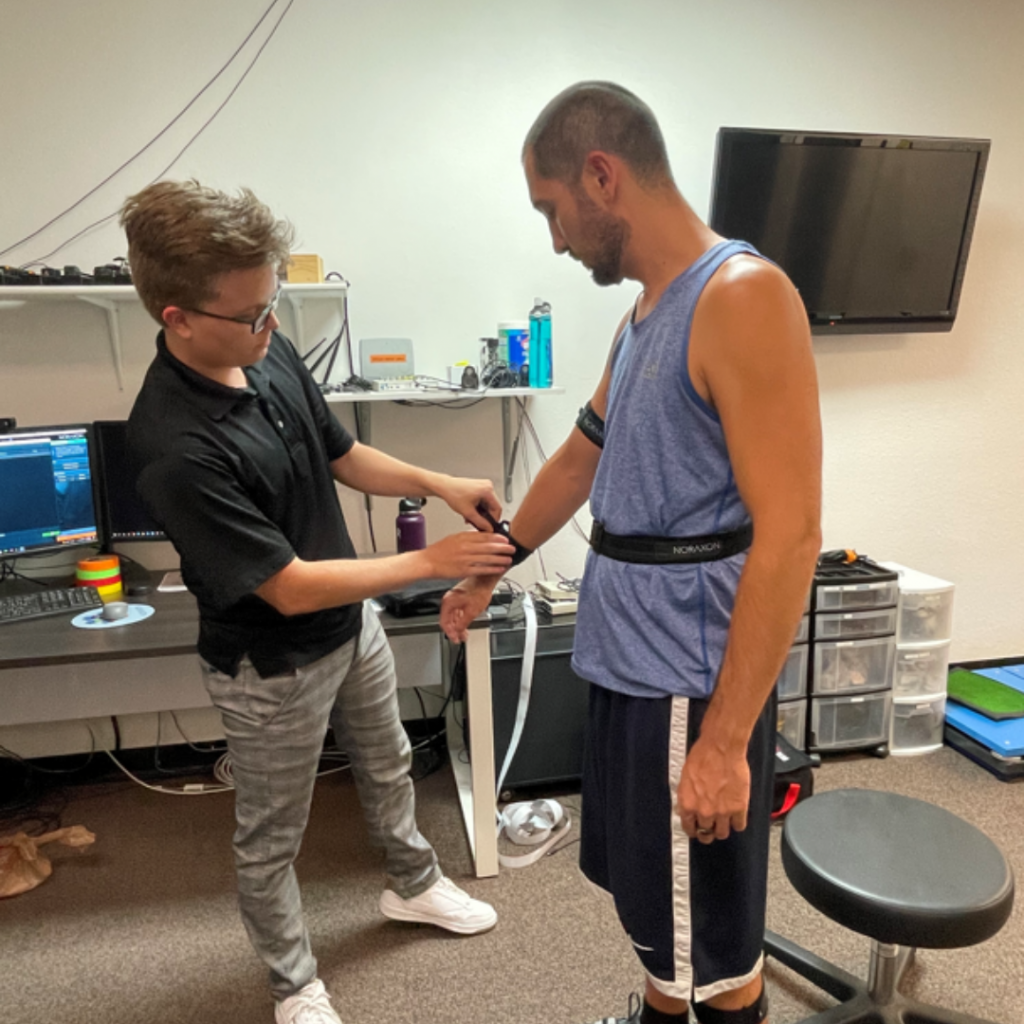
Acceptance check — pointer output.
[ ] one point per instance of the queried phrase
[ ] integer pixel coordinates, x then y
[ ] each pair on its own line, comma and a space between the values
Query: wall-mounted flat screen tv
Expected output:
874, 230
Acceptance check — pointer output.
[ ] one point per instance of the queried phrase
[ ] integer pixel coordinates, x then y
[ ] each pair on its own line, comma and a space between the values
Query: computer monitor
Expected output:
46, 490
123, 517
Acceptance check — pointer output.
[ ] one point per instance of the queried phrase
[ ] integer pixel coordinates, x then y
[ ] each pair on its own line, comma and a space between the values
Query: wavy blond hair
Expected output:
182, 236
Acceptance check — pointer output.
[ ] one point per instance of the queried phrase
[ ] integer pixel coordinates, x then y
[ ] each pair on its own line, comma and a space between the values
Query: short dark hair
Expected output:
602, 116
182, 236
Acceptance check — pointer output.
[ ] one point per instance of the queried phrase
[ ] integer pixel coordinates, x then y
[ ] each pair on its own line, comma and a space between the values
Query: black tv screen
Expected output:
874, 230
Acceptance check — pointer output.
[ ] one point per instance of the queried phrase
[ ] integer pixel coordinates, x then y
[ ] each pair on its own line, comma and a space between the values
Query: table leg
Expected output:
475, 780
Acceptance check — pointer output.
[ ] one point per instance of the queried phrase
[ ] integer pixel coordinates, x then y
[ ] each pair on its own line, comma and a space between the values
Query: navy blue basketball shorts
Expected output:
695, 913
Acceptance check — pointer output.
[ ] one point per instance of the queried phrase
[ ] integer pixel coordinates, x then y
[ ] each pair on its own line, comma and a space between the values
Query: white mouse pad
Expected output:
93, 619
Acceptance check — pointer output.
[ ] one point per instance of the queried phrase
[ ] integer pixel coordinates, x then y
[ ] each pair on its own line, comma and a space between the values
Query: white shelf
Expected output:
440, 395
110, 298
422, 395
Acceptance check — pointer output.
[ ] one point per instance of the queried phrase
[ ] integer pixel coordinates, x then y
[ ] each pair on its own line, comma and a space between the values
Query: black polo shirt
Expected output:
239, 479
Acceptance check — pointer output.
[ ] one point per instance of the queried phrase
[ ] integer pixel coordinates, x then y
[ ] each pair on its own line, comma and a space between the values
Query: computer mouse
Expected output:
114, 610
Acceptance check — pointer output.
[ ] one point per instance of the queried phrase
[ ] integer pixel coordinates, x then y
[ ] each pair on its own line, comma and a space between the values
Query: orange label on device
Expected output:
389, 357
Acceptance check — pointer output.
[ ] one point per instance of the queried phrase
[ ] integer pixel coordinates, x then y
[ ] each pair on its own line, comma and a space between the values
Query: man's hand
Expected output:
714, 792
463, 603
469, 554
463, 495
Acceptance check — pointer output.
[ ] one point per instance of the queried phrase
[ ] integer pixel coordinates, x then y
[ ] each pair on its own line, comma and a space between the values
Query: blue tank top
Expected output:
652, 630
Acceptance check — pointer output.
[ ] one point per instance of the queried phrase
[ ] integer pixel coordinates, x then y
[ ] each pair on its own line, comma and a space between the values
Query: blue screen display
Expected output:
46, 490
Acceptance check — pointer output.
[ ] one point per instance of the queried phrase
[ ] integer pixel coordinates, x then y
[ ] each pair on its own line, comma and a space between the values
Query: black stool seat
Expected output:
896, 869
903, 872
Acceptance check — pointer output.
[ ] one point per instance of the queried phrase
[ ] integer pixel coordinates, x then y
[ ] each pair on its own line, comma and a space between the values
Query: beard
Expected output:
605, 241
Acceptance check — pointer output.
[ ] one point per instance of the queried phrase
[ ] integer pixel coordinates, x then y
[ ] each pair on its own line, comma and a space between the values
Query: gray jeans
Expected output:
275, 730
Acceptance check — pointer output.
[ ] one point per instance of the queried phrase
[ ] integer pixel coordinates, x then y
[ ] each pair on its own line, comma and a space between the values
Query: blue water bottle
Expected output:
540, 344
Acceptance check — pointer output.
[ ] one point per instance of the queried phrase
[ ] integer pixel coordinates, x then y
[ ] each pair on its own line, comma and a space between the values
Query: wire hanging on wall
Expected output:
180, 153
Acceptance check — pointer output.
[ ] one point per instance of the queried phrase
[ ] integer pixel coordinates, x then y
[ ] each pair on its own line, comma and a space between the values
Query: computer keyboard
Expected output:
52, 601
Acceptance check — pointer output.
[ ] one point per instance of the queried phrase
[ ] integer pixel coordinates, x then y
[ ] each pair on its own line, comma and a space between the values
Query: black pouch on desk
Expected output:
423, 598
794, 779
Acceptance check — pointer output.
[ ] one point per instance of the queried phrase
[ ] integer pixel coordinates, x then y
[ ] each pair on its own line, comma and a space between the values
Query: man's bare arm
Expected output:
565, 480
371, 471
751, 359
304, 586
557, 492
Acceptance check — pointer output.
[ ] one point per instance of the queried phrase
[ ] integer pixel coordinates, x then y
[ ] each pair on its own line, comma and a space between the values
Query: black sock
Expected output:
650, 1015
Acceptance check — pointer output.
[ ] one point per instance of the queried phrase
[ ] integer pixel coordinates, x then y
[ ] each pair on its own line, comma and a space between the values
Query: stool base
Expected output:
880, 1003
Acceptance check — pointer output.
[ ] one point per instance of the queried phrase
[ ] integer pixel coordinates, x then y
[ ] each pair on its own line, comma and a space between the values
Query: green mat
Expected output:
986, 696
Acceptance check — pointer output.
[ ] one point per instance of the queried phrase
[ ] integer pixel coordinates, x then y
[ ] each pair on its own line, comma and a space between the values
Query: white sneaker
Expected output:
310, 1005
443, 904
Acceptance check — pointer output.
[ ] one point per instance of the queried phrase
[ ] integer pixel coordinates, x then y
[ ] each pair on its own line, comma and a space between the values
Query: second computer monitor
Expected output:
123, 516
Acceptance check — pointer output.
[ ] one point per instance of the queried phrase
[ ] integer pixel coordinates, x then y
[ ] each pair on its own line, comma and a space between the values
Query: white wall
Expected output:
390, 135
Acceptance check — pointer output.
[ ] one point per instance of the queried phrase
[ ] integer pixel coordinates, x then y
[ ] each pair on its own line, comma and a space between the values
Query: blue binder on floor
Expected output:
1005, 737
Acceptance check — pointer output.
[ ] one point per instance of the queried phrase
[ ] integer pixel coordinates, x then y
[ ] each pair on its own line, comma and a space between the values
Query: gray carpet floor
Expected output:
143, 926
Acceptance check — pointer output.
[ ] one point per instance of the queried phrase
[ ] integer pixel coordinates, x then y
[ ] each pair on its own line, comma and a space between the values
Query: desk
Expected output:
50, 671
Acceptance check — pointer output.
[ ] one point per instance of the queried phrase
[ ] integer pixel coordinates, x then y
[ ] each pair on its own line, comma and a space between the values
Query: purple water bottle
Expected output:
411, 525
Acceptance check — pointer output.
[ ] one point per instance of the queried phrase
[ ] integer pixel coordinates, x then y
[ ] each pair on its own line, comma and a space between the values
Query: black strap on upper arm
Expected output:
591, 425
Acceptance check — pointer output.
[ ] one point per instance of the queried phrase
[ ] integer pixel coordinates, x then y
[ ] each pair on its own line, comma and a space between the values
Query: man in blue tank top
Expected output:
700, 452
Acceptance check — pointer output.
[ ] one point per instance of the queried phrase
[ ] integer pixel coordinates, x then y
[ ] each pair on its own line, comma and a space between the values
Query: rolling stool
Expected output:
903, 872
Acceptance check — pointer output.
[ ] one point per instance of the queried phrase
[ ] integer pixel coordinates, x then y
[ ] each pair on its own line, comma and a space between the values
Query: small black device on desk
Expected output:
53, 601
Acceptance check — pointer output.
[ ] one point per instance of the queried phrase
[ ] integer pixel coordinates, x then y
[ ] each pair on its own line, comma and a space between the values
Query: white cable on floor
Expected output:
189, 788
222, 773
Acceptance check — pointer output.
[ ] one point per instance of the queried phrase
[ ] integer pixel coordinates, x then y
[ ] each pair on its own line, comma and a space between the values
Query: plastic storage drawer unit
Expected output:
841, 722
842, 666
803, 631
926, 606
917, 725
792, 680
847, 597
791, 723
851, 625
921, 669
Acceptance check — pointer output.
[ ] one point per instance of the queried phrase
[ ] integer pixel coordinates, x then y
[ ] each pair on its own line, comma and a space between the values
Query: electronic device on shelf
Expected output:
393, 384
47, 482
874, 230
116, 272
385, 358
40, 604
17, 276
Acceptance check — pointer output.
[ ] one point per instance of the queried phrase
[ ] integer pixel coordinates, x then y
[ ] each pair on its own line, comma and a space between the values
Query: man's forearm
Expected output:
371, 471
303, 587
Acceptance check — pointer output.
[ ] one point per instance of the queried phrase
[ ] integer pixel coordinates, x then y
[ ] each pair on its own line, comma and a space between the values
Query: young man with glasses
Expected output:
238, 457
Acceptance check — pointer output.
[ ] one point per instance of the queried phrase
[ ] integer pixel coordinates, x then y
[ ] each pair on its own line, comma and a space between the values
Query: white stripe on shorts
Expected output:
681, 925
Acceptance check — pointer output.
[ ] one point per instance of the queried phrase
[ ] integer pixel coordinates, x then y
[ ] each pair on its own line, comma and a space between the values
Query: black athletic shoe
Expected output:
636, 1005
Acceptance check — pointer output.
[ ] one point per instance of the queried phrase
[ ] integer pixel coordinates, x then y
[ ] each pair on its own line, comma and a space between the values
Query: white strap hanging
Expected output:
540, 823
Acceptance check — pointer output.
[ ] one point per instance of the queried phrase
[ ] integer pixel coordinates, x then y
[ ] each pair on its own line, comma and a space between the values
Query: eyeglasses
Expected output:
256, 325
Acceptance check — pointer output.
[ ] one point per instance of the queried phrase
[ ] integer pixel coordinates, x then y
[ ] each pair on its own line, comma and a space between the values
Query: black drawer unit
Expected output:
854, 613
